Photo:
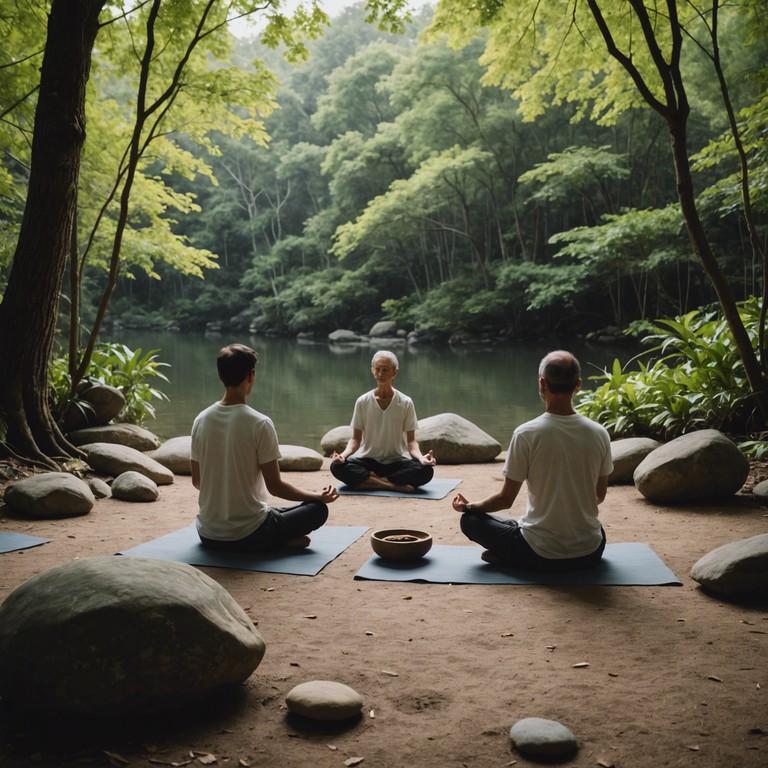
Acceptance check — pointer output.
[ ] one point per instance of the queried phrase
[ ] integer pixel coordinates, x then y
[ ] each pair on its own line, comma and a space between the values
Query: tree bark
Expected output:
29, 308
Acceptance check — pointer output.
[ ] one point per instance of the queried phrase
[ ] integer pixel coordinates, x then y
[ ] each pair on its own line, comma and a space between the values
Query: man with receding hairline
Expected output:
565, 459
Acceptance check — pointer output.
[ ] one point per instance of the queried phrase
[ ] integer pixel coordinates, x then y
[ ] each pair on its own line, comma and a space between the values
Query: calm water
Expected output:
308, 389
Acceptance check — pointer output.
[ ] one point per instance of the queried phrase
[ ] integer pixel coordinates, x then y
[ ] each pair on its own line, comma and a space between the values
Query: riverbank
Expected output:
643, 676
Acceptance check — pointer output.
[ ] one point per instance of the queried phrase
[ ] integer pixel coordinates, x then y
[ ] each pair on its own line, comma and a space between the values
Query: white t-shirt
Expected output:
384, 430
561, 459
231, 442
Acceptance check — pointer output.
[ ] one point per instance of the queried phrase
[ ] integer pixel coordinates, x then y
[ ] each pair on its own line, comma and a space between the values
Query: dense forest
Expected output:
397, 183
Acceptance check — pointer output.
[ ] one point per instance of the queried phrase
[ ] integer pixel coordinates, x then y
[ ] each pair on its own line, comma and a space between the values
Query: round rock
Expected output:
324, 700
538, 737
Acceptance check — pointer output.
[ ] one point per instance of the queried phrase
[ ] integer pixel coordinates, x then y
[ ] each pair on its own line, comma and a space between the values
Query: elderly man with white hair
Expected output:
383, 452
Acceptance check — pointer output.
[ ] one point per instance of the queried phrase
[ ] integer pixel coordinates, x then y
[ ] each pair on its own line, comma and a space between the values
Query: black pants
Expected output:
280, 526
504, 539
401, 472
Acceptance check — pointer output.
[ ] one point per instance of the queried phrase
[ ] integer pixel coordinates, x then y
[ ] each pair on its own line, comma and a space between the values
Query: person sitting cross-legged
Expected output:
565, 459
234, 463
383, 452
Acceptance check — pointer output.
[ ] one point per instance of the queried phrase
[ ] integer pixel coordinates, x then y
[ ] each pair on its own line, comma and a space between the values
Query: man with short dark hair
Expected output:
234, 464
565, 459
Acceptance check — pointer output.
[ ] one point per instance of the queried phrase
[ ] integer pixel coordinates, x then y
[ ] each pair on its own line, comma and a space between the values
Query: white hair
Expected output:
391, 356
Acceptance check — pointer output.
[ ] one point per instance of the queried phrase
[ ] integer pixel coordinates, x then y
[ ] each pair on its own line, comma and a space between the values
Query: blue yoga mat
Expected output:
10, 542
437, 488
184, 546
623, 564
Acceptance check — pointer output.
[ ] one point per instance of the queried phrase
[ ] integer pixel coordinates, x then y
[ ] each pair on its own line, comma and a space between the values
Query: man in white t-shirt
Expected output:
383, 451
565, 459
234, 462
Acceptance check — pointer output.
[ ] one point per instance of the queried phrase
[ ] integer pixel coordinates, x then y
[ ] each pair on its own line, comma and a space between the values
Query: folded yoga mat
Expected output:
10, 542
630, 564
437, 488
184, 546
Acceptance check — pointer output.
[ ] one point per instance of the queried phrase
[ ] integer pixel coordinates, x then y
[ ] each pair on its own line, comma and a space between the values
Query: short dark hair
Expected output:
561, 370
234, 362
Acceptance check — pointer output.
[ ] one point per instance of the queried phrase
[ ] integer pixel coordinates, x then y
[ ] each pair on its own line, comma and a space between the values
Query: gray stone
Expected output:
50, 495
383, 328
295, 458
537, 737
700, 466
335, 439
174, 454
736, 568
111, 635
99, 488
761, 490
455, 440
104, 403
343, 336
324, 700
131, 435
627, 454
133, 486
112, 459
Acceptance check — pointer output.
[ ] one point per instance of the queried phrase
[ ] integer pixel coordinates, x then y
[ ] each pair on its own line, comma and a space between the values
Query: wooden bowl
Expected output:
401, 544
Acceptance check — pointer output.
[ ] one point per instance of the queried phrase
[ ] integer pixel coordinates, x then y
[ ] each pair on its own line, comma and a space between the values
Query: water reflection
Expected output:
308, 388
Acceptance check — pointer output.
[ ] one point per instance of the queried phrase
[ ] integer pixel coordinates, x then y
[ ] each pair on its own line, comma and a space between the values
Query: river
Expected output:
309, 388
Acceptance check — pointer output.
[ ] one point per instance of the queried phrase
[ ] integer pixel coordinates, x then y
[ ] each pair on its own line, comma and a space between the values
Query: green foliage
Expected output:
696, 380
113, 364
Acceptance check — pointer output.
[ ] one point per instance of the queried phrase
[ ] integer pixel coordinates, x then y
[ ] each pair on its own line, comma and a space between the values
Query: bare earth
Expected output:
643, 676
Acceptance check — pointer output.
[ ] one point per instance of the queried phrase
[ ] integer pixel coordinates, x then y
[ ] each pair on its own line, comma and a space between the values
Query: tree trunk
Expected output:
29, 308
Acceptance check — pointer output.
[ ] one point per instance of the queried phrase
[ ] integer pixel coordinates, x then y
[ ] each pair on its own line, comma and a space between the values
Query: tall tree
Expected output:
531, 49
28, 310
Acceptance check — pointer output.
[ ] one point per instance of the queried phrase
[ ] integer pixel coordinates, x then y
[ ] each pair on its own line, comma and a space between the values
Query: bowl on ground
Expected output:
401, 543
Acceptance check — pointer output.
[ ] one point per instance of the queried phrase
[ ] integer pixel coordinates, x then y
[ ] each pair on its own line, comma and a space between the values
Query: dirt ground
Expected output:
643, 676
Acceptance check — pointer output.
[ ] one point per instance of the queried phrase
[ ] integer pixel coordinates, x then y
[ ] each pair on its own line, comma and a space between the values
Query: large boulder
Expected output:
174, 454
102, 404
383, 329
110, 635
700, 466
343, 336
133, 486
131, 435
335, 439
295, 458
112, 459
455, 440
736, 568
50, 495
627, 454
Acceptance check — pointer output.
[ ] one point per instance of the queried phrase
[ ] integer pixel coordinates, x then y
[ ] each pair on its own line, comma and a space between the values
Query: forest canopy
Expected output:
391, 175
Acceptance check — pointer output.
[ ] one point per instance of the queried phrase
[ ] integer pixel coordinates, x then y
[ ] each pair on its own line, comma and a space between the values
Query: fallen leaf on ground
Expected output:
715, 678
354, 761
207, 759
391, 674
115, 758
580, 664
311, 616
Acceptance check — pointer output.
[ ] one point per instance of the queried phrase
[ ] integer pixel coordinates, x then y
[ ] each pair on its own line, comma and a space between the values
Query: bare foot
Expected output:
300, 542
374, 482
489, 557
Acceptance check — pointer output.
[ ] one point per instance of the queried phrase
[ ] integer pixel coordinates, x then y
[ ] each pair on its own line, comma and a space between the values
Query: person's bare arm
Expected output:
195, 467
352, 445
601, 488
283, 490
493, 503
415, 451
